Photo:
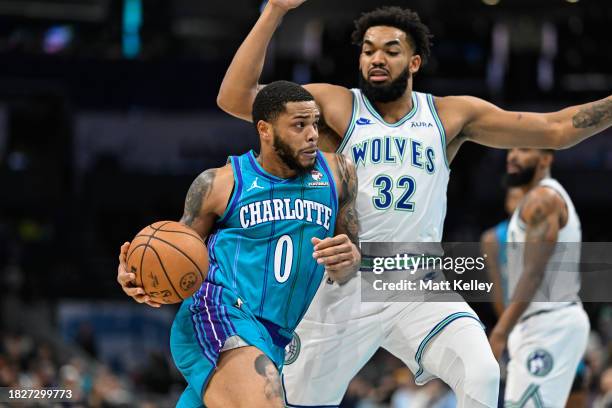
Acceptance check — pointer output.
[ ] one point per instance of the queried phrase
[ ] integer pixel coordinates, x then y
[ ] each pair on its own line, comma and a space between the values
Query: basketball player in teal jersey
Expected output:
402, 142
269, 221
493, 244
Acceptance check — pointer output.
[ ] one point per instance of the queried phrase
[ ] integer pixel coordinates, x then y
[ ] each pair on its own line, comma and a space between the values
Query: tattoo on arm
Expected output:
593, 114
347, 216
199, 190
539, 226
265, 368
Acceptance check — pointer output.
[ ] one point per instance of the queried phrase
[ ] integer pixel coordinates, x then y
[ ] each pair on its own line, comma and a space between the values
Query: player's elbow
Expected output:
559, 137
234, 105
223, 101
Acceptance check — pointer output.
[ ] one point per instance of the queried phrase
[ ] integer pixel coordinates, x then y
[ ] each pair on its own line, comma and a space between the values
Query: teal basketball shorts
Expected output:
201, 327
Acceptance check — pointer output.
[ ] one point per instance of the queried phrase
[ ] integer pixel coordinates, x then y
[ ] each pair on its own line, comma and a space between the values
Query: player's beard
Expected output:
289, 156
520, 178
385, 92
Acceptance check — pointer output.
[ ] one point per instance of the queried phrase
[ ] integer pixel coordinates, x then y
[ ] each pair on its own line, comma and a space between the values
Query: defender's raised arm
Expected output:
241, 82
487, 124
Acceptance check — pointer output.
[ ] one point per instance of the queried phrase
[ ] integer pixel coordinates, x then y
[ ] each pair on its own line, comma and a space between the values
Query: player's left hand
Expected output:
339, 255
498, 341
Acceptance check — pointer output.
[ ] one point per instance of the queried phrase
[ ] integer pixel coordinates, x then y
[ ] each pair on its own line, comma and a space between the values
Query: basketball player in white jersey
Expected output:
544, 324
401, 142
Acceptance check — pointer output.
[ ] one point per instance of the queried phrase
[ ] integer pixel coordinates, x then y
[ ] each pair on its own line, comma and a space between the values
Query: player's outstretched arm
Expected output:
545, 213
205, 202
241, 82
340, 254
487, 124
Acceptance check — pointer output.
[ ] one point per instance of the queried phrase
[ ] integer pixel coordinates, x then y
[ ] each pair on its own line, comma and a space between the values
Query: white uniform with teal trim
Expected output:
402, 172
550, 339
403, 177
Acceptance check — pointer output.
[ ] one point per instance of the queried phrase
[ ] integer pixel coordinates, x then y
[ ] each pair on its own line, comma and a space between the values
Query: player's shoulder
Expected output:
339, 162
219, 181
461, 102
542, 201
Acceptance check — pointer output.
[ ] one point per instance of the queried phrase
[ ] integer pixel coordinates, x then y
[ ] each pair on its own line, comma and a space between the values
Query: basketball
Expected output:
170, 261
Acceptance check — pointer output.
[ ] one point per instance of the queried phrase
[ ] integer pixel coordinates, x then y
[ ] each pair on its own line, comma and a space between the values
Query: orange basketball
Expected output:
170, 261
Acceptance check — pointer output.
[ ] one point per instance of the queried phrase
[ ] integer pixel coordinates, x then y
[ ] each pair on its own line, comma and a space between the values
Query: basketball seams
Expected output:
160, 227
173, 231
146, 238
165, 273
183, 232
182, 253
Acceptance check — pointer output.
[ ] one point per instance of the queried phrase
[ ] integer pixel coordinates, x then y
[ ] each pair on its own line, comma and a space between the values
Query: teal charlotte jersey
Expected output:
262, 276
262, 250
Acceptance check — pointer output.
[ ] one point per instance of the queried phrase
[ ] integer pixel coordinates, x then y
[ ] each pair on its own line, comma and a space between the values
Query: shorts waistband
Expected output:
539, 312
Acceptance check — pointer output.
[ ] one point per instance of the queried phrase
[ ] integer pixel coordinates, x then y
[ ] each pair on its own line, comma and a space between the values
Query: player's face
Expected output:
386, 63
521, 165
296, 134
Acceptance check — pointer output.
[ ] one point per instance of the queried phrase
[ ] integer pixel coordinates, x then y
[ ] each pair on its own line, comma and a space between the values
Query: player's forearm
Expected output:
580, 122
344, 275
240, 84
530, 281
509, 318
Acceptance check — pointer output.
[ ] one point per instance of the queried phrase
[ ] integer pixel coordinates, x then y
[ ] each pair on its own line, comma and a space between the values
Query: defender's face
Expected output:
519, 159
296, 133
385, 54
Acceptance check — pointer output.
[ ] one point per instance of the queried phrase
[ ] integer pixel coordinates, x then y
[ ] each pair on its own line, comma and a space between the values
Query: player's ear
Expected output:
415, 64
547, 159
265, 130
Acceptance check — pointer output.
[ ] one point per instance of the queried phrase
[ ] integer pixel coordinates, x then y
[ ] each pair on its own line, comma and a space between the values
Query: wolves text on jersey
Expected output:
389, 149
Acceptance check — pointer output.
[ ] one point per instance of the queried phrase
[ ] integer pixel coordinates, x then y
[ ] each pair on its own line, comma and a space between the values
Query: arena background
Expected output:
107, 113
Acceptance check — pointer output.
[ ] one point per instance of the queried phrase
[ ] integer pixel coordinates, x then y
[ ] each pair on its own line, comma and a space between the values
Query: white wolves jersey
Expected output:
402, 170
561, 282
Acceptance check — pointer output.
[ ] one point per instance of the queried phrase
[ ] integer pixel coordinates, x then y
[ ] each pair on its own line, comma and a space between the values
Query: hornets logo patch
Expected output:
292, 350
317, 177
539, 363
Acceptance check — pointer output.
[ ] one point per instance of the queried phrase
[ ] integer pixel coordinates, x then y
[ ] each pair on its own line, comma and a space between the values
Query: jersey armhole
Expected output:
236, 190
351, 125
440, 126
332, 180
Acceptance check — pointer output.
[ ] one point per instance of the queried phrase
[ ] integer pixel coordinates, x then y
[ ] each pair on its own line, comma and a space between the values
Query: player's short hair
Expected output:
271, 100
408, 21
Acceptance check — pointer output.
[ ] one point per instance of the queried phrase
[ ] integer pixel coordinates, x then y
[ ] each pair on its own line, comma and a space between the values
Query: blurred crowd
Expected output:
28, 362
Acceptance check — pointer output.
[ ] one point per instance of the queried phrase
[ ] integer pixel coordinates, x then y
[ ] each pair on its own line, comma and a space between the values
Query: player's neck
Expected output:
275, 166
394, 111
537, 179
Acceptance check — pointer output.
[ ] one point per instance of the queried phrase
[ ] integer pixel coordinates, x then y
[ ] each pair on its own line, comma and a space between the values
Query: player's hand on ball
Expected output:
287, 4
339, 255
127, 280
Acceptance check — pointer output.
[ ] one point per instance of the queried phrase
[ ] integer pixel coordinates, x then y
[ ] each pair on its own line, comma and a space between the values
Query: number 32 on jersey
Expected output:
388, 189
